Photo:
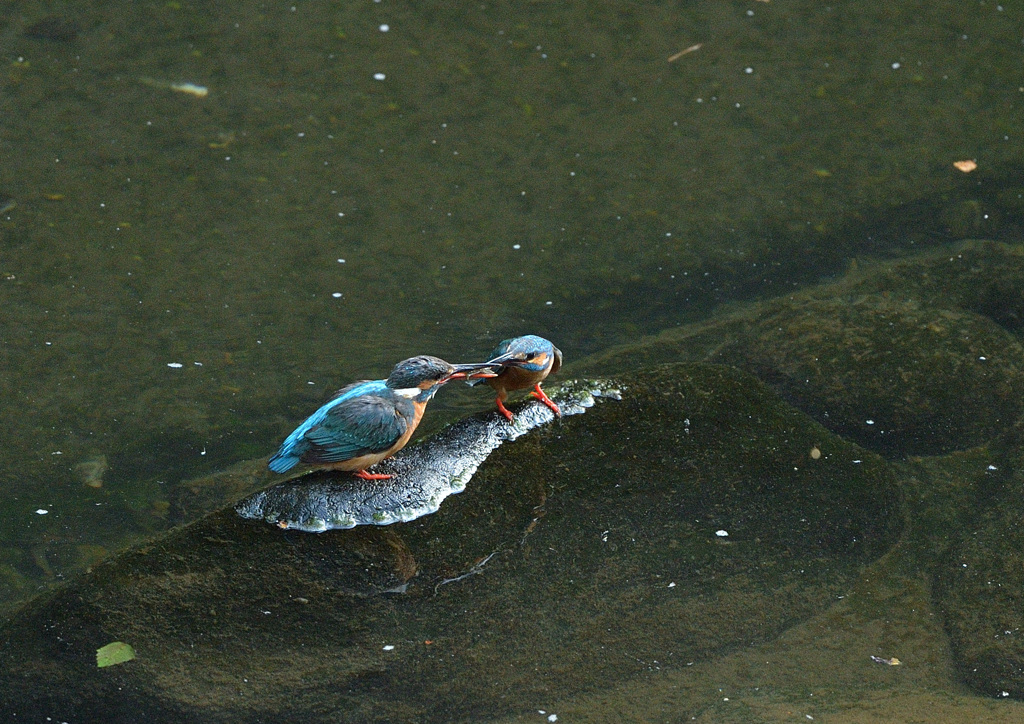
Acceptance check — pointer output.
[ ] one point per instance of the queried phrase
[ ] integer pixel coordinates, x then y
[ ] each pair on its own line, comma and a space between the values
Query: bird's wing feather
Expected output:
349, 388
358, 426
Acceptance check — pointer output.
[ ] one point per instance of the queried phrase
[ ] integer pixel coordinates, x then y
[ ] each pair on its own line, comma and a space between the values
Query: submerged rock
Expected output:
985, 277
979, 585
917, 357
888, 373
697, 514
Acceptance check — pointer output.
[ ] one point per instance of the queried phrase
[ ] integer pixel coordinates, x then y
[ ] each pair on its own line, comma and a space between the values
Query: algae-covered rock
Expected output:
698, 514
917, 357
888, 373
981, 595
980, 584
985, 277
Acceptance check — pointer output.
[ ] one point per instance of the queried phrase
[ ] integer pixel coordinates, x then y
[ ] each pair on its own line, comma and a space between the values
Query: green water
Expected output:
519, 167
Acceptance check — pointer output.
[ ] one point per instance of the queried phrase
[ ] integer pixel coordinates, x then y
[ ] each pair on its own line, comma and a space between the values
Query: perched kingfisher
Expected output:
525, 362
368, 421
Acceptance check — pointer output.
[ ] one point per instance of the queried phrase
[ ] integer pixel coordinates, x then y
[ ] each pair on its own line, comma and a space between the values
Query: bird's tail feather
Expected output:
280, 463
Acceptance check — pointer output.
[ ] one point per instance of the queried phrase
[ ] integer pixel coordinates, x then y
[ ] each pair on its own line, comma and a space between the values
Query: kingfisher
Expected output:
524, 361
370, 420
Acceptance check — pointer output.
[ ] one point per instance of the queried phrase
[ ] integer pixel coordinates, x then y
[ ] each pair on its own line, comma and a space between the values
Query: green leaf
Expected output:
114, 653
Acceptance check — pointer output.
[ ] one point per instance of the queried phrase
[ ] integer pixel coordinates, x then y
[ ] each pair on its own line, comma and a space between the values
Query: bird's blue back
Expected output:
360, 418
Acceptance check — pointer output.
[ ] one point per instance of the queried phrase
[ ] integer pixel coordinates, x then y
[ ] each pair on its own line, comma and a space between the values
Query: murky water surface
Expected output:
213, 215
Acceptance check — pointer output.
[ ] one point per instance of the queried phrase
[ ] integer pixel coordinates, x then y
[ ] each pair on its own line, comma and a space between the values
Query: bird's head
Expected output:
529, 352
418, 378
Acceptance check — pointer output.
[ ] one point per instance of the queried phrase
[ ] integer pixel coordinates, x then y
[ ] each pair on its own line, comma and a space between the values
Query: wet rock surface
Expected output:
928, 350
890, 374
983, 277
917, 357
980, 583
698, 514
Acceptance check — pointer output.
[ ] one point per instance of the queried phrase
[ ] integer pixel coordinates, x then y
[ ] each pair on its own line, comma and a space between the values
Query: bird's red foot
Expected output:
504, 410
370, 476
539, 394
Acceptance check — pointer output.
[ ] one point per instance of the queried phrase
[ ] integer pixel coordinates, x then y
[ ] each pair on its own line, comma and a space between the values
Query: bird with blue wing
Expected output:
370, 420
523, 362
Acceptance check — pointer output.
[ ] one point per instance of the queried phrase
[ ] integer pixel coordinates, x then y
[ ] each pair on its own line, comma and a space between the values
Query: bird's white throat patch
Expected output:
410, 392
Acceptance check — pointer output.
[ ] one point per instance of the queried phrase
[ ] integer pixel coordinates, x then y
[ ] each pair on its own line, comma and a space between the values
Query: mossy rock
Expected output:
698, 514
980, 584
914, 358
888, 373
985, 277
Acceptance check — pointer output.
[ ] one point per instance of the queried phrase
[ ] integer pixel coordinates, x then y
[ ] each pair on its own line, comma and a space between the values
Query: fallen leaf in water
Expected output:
114, 653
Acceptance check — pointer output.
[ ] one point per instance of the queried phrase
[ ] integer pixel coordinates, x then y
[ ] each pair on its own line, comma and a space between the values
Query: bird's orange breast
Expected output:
516, 378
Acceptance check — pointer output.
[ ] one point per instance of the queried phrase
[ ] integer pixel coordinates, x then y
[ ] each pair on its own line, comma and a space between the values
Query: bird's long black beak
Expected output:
492, 366
509, 359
